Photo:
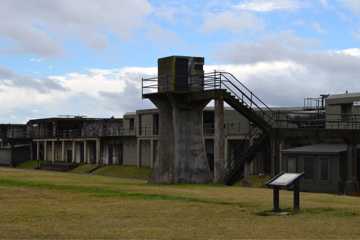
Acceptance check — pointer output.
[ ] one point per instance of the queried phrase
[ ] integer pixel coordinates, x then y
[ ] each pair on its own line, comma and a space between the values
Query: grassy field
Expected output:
108, 170
44, 205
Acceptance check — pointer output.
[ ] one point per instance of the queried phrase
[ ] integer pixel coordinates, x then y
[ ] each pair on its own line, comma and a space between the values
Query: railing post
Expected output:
215, 79
220, 80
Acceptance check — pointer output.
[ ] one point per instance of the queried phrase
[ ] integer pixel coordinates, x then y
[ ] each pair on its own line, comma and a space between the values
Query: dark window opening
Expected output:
132, 124
324, 169
198, 66
155, 124
345, 111
309, 168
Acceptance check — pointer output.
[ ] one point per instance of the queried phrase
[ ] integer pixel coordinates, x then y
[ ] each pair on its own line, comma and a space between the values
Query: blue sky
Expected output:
87, 57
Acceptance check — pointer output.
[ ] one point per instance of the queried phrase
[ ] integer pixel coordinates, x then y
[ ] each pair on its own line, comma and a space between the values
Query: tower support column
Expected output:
181, 155
219, 142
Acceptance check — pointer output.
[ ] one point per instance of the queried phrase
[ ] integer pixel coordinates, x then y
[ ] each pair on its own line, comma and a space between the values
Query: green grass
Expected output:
33, 164
124, 171
255, 181
110, 170
84, 168
44, 205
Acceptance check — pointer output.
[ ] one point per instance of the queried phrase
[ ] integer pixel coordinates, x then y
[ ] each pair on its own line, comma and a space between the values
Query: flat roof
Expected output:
344, 95
326, 148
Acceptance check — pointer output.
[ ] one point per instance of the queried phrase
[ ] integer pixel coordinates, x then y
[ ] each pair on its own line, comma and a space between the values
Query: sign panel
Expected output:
285, 179
356, 103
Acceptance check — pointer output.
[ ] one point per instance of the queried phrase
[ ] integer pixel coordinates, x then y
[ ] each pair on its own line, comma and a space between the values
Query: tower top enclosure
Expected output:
180, 74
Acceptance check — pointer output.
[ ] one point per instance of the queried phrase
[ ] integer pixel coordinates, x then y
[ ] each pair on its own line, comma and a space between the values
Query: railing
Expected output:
240, 150
73, 133
72, 116
14, 134
230, 128
227, 81
210, 81
316, 119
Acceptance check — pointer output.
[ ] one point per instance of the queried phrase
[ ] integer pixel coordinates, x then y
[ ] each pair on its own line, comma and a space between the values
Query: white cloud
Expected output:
318, 28
36, 60
231, 22
94, 93
266, 5
281, 70
41, 26
352, 4
352, 51
324, 2
162, 37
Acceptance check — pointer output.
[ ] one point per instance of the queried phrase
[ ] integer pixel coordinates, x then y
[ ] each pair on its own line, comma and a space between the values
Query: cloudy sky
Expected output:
87, 57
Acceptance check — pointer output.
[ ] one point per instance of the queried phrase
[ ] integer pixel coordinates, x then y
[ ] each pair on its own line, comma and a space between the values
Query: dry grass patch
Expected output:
44, 205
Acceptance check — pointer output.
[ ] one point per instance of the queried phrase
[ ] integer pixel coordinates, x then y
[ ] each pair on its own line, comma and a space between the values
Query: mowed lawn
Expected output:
46, 205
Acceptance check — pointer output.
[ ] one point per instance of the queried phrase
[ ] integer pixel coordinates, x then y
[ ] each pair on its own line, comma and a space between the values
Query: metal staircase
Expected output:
260, 116
225, 85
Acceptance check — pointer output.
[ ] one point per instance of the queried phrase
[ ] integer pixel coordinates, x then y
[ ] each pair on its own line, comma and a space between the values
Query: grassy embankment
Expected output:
111, 170
43, 205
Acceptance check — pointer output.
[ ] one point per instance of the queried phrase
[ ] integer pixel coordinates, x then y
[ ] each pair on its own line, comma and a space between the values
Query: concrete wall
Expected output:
21, 154
5, 156
235, 123
130, 150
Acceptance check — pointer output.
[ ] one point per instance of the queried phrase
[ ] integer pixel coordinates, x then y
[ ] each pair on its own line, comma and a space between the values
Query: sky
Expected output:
87, 57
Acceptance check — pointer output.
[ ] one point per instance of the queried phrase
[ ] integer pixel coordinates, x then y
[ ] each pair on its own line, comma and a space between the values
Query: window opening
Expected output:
325, 169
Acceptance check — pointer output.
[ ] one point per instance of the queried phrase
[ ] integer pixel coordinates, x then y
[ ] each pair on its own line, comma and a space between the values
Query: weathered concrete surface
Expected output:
181, 154
219, 142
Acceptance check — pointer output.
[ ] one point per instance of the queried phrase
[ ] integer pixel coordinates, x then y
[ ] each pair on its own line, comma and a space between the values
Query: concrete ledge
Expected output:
61, 167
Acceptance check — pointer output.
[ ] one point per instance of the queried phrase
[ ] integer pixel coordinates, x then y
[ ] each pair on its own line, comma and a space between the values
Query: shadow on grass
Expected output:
313, 211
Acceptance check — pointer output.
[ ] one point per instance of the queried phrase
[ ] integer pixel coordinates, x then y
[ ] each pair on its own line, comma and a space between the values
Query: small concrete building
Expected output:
14, 155
15, 144
325, 166
77, 139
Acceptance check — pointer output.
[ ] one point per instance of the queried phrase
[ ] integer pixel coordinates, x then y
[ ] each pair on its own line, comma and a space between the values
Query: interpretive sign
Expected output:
286, 180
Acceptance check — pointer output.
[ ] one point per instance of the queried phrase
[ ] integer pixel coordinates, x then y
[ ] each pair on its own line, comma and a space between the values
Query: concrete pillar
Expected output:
351, 182
85, 152
45, 151
12, 163
31, 155
275, 156
138, 153
181, 155
219, 142
73, 152
151, 152
53, 151
37, 150
63, 151
97, 151
247, 182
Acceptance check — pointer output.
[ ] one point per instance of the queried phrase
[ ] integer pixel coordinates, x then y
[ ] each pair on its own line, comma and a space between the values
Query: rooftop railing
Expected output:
73, 133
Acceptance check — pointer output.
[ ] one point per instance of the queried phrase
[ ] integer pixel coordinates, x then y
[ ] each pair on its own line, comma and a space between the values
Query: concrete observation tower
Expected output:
181, 155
